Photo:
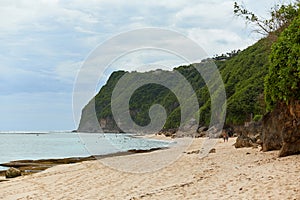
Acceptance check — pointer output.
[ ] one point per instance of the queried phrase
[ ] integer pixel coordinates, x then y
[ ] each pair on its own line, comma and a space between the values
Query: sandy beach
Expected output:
228, 173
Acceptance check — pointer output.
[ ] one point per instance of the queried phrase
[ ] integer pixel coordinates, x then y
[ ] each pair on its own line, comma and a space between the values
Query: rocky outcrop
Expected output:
249, 136
244, 141
12, 173
168, 133
252, 130
281, 129
90, 123
271, 134
201, 131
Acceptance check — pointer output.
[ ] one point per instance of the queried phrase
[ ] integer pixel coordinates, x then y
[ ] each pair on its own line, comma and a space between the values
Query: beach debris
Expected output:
213, 150
193, 152
12, 172
144, 150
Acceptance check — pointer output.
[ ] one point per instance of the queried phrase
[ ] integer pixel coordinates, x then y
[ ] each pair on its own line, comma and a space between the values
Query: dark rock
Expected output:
144, 150
271, 134
249, 136
201, 132
170, 133
213, 150
202, 129
194, 152
12, 173
281, 129
244, 141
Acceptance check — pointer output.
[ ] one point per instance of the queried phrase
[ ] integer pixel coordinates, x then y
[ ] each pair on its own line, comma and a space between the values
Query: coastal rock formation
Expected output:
244, 141
271, 134
249, 136
281, 129
89, 121
251, 130
202, 131
12, 173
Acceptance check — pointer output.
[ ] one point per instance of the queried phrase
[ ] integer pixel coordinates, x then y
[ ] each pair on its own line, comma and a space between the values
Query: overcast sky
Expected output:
44, 43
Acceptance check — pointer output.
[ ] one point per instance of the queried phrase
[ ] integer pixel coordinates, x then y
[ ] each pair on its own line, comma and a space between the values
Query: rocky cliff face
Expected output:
89, 121
281, 129
104, 125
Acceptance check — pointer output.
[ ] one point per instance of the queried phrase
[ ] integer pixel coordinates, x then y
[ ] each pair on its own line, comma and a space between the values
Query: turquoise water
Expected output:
20, 146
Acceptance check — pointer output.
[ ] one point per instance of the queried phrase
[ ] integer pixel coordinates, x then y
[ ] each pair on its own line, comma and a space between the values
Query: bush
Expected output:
282, 84
256, 118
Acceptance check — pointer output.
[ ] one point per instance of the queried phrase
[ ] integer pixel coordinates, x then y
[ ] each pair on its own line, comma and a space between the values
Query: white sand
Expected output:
227, 174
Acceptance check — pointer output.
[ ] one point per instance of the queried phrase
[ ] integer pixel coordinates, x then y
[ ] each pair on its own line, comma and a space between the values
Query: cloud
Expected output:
86, 31
17, 80
36, 111
67, 71
208, 14
147, 59
44, 42
218, 40
22, 15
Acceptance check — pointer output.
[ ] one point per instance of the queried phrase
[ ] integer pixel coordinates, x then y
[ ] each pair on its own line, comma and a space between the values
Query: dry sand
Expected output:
227, 174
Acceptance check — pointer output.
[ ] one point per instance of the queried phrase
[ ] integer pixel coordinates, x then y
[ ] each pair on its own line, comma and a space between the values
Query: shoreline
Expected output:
30, 166
228, 173
35, 166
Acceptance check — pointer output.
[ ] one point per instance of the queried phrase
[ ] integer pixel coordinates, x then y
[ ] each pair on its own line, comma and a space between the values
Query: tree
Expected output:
281, 16
282, 84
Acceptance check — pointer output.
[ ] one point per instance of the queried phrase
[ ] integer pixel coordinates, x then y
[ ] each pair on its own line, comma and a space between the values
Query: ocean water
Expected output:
32, 145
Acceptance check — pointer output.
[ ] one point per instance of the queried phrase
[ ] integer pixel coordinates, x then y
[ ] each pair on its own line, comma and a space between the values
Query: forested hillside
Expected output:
243, 76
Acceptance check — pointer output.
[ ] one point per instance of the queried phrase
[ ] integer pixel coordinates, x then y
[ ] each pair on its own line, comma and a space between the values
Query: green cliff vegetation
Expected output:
282, 84
243, 75
254, 79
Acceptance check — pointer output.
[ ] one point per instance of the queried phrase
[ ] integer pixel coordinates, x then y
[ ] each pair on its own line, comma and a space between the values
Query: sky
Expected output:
45, 42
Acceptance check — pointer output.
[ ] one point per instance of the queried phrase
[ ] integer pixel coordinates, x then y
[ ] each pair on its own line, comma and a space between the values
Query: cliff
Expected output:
281, 129
243, 74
